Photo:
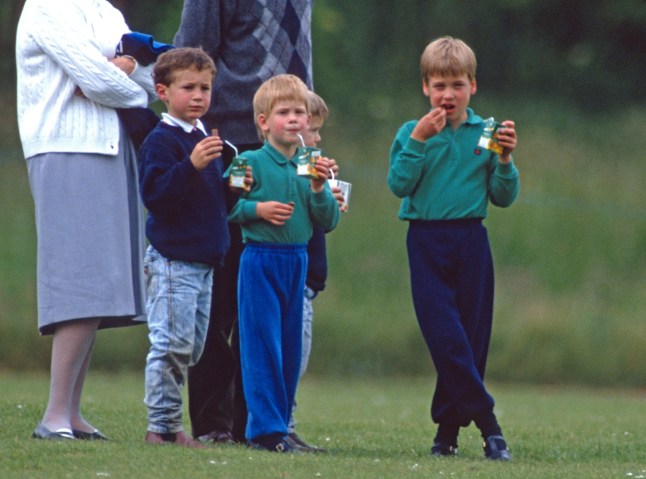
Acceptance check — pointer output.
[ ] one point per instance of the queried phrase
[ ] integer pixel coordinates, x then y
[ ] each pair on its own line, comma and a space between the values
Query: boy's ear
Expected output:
425, 88
262, 124
161, 91
474, 87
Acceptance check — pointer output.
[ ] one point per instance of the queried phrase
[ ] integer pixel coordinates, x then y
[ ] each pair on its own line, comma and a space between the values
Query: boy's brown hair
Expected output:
285, 87
317, 106
448, 56
181, 59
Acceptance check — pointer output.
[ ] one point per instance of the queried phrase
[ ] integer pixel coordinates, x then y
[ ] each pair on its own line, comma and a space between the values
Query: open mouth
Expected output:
448, 108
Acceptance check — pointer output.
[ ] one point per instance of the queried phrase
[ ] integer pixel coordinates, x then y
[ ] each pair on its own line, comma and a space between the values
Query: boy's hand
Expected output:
338, 196
429, 125
323, 167
333, 167
248, 178
206, 151
274, 212
248, 181
508, 140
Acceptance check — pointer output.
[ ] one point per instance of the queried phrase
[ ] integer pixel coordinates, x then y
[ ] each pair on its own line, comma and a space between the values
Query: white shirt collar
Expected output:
187, 127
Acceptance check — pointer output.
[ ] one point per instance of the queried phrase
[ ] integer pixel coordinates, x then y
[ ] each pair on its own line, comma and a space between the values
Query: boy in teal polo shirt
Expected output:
446, 181
277, 217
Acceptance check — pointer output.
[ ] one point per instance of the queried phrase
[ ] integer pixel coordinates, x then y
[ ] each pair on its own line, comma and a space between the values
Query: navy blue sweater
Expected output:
187, 217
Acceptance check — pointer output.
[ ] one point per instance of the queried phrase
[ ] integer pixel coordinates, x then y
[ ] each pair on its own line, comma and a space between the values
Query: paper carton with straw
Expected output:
237, 170
306, 157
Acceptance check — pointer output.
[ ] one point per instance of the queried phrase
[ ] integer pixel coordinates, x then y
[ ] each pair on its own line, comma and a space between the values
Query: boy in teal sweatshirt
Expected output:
277, 217
446, 180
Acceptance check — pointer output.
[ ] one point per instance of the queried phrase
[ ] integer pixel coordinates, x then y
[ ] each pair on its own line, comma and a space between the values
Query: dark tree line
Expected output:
589, 53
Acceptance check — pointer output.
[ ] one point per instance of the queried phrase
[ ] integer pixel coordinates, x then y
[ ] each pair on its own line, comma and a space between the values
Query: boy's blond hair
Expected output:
168, 63
317, 106
285, 87
448, 56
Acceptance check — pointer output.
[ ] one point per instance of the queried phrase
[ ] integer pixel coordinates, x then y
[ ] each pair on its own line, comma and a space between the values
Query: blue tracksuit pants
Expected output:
452, 285
270, 301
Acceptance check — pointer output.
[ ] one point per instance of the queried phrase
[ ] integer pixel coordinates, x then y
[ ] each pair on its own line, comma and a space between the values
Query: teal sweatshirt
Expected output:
275, 179
449, 176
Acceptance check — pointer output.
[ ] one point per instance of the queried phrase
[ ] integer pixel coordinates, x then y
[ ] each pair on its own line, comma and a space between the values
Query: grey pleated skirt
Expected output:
90, 228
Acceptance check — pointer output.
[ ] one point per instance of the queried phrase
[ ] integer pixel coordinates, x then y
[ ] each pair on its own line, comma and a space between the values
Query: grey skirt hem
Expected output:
106, 322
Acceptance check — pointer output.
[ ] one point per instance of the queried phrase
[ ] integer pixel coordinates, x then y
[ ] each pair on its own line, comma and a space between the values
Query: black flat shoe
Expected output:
62, 434
296, 442
89, 436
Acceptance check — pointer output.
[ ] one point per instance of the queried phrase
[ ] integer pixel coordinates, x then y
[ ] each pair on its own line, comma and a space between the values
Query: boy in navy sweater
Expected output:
182, 186
316, 257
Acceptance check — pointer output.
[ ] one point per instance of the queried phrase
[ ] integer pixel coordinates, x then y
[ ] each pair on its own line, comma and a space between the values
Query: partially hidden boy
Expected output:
317, 267
277, 217
183, 187
446, 181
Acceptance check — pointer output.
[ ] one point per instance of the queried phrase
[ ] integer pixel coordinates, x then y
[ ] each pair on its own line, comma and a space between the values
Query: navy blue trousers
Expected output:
452, 284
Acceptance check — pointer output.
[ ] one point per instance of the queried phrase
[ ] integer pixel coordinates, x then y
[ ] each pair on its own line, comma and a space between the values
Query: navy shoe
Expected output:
282, 445
96, 435
62, 434
495, 448
440, 448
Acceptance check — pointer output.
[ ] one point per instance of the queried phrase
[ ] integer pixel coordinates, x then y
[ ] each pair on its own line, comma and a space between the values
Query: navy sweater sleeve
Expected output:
187, 218
316, 261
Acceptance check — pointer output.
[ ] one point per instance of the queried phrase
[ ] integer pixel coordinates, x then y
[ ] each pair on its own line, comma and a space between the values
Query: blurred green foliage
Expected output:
366, 53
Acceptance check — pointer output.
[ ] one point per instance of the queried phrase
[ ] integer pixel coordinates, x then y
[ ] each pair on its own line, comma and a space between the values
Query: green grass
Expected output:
372, 428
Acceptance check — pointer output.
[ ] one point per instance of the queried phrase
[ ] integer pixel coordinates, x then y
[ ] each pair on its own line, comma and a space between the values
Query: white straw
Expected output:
231, 145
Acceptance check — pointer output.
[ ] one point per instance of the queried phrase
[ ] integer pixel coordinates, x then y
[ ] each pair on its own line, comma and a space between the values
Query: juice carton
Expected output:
346, 189
237, 170
489, 138
306, 160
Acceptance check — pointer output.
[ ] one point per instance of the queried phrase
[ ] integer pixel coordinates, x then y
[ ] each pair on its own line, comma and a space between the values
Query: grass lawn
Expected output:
372, 429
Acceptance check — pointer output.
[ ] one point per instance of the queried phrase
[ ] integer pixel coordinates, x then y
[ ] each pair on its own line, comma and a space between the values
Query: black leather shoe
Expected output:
495, 448
62, 434
89, 436
216, 437
297, 443
282, 445
440, 448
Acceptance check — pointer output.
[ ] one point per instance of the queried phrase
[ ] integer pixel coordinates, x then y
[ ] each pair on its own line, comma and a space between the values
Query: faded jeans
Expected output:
179, 300
308, 316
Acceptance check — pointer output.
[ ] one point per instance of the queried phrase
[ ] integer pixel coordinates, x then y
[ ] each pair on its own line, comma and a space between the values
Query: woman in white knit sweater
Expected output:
82, 172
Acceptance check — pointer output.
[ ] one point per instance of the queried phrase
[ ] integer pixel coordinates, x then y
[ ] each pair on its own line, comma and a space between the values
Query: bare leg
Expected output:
71, 351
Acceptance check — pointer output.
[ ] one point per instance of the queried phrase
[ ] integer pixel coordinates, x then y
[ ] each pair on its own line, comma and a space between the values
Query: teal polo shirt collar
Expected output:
472, 118
276, 155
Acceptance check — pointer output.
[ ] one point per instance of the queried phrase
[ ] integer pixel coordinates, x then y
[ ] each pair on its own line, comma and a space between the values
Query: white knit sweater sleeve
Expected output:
67, 88
76, 41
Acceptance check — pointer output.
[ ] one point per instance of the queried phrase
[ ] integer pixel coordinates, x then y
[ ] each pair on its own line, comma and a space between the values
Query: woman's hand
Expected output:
126, 64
